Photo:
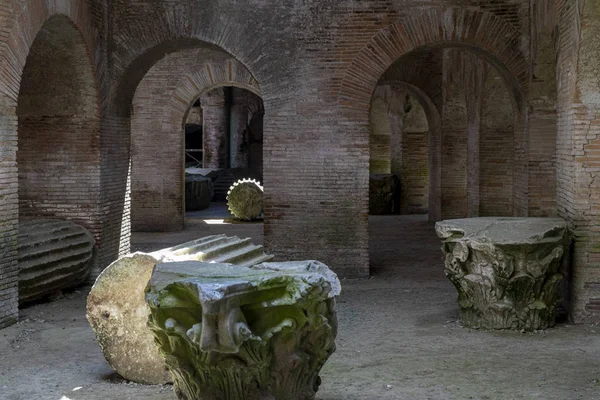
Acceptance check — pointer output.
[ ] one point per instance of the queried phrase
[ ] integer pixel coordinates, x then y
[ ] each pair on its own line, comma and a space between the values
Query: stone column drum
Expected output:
507, 270
229, 332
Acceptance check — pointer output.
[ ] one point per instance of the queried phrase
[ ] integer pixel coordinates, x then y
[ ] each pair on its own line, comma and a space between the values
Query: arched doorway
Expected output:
59, 129
163, 101
223, 139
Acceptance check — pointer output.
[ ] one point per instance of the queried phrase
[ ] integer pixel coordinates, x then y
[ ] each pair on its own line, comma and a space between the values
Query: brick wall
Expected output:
455, 125
496, 149
59, 130
317, 77
415, 167
379, 140
542, 110
578, 157
215, 127
49, 69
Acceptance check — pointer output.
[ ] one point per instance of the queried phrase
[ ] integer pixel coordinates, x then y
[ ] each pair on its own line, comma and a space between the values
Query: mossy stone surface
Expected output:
245, 199
507, 271
229, 332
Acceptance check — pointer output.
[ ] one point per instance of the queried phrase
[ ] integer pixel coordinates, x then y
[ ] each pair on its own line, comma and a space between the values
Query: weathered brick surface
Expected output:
415, 167
55, 171
543, 110
380, 137
496, 149
215, 112
317, 65
577, 148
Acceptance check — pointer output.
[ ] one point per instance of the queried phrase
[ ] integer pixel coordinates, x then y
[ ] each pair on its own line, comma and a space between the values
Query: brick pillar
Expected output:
396, 116
475, 76
464, 79
238, 148
454, 138
215, 128
9, 222
542, 118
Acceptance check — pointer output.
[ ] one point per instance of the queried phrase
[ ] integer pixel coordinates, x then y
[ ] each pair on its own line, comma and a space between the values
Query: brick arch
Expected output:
28, 23
135, 71
483, 33
435, 142
416, 75
206, 78
160, 186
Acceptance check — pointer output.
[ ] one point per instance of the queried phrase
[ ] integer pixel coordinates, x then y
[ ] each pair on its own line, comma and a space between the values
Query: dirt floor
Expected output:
399, 337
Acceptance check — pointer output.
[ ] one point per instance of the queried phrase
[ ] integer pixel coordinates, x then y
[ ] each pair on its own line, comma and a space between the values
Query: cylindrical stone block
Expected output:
53, 255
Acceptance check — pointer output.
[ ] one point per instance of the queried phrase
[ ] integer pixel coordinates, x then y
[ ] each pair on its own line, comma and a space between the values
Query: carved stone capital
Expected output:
507, 271
229, 332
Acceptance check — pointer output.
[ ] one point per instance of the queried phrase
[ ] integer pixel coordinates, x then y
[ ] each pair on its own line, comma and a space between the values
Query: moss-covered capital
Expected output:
230, 332
507, 270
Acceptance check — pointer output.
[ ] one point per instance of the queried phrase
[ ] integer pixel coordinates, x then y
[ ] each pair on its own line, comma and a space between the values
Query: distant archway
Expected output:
160, 106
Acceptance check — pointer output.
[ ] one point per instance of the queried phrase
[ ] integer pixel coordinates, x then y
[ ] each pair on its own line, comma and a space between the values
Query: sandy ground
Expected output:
399, 338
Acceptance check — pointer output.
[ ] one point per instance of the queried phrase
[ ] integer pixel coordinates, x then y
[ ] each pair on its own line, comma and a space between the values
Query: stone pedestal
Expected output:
507, 270
198, 192
383, 194
229, 332
117, 310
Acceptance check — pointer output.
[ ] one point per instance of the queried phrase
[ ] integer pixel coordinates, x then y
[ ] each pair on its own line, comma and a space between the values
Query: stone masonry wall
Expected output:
317, 77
